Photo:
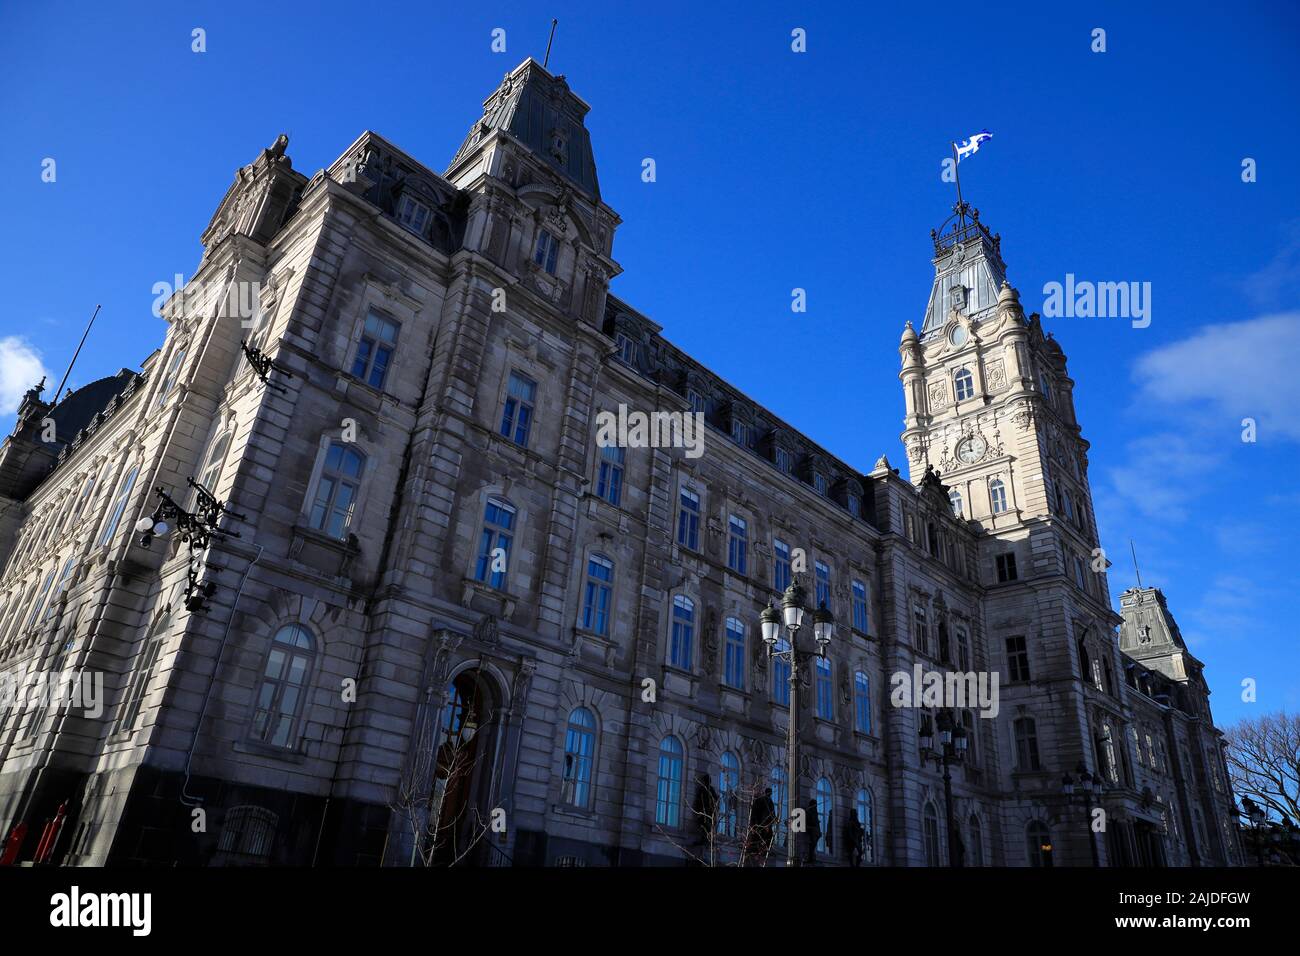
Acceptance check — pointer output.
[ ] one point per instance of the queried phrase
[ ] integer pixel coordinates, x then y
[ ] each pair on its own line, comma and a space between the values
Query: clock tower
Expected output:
989, 403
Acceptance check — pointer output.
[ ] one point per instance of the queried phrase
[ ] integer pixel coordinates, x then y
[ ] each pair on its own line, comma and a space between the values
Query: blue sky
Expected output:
775, 170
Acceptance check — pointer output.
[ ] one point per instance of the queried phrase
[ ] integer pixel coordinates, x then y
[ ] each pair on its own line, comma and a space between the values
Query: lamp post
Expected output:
1087, 787
952, 750
1255, 813
791, 616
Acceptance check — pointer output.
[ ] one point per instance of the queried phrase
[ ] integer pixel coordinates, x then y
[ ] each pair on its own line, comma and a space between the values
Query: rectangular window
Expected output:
609, 482
595, 605
1006, 565
739, 432
861, 619
781, 575
375, 350
920, 631
696, 401
139, 683
825, 694
517, 417
737, 545
412, 214
545, 251
734, 671
119, 505
1017, 659
626, 349
781, 676
173, 372
784, 460
39, 601
963, 650
1026, 744
680, 652
819, 483
823, 573
688, 520
862, 703
494, 543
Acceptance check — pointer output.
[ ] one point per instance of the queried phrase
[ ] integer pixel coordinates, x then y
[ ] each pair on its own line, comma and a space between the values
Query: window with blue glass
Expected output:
517, 417
781, 675
728, 794
683, 637
688, 520
861, 616
668, 793
734, 664
609, 480
963, 384
375, 350
823, 584
825, 701
595, 603
626, 348
862, 807
337, 488
579, 758
546, 250
825, 795
737, 544
862, 703
780, 565
494, 543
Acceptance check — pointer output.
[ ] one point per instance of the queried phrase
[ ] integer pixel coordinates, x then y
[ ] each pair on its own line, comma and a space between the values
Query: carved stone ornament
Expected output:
938, 393
997, 375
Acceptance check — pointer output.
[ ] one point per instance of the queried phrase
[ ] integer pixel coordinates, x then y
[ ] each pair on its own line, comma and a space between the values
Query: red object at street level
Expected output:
12, 845
50, 835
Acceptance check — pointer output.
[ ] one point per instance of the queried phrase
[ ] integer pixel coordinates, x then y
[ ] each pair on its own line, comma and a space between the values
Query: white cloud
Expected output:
1238, 370
1163, 473
20, 369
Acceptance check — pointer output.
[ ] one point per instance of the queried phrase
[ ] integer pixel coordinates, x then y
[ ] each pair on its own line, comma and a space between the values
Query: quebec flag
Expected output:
969, 147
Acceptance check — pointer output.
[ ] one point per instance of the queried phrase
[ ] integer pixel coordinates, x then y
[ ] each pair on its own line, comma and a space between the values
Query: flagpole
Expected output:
956, 171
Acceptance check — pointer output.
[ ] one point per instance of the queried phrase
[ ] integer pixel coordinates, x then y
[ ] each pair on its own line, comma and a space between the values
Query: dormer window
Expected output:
739, 432
695, 400
546, 250
626, 348
413, 214
784, 460
819, 482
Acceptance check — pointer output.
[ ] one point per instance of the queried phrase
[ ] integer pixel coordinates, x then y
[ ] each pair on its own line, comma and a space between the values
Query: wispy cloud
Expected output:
20, 369
1237, 370
1163, 474
1279, 280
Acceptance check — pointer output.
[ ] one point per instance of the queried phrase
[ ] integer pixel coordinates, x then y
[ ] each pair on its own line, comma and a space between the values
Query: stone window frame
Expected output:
369, 464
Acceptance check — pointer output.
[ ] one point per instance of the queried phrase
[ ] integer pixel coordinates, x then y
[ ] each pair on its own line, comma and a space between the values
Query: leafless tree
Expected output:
1263, 758
727, 837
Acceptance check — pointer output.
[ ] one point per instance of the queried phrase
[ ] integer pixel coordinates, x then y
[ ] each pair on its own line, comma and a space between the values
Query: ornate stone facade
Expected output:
302, 706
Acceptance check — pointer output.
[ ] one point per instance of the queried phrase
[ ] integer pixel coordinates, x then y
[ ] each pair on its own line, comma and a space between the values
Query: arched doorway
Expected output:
463, 770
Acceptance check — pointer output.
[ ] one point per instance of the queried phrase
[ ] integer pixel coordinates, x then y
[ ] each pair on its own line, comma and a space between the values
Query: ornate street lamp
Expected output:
196, 529
791, 616
1087, 788
952, 750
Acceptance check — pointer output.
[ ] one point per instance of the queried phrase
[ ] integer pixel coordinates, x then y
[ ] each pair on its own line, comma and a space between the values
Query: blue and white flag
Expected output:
969, 147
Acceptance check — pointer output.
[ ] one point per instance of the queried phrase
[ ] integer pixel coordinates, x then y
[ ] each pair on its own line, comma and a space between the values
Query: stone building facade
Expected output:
433, 547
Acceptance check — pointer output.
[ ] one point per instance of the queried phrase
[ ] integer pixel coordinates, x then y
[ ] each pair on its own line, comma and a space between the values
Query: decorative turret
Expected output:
968, 269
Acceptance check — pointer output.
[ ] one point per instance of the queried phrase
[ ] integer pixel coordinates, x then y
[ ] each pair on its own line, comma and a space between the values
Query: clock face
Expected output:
971, 450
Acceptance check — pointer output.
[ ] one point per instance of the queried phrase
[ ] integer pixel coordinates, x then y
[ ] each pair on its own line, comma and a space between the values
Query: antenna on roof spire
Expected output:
1136, 570
548, 44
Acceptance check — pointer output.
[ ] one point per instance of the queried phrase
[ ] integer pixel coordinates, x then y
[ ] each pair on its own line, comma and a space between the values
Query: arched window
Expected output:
734, 669
963, 384
579, 758
781, 675
609, 480
1038, 843
494, 542
683, 636
862, 807
336, 490
997, 496
976, 841
247, 836
596, 596
278, 708
930, 830
668, 796
782, 809
825, 795
146, 661
728, 794
862, 702
1067, 504
210, 473
954, 499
